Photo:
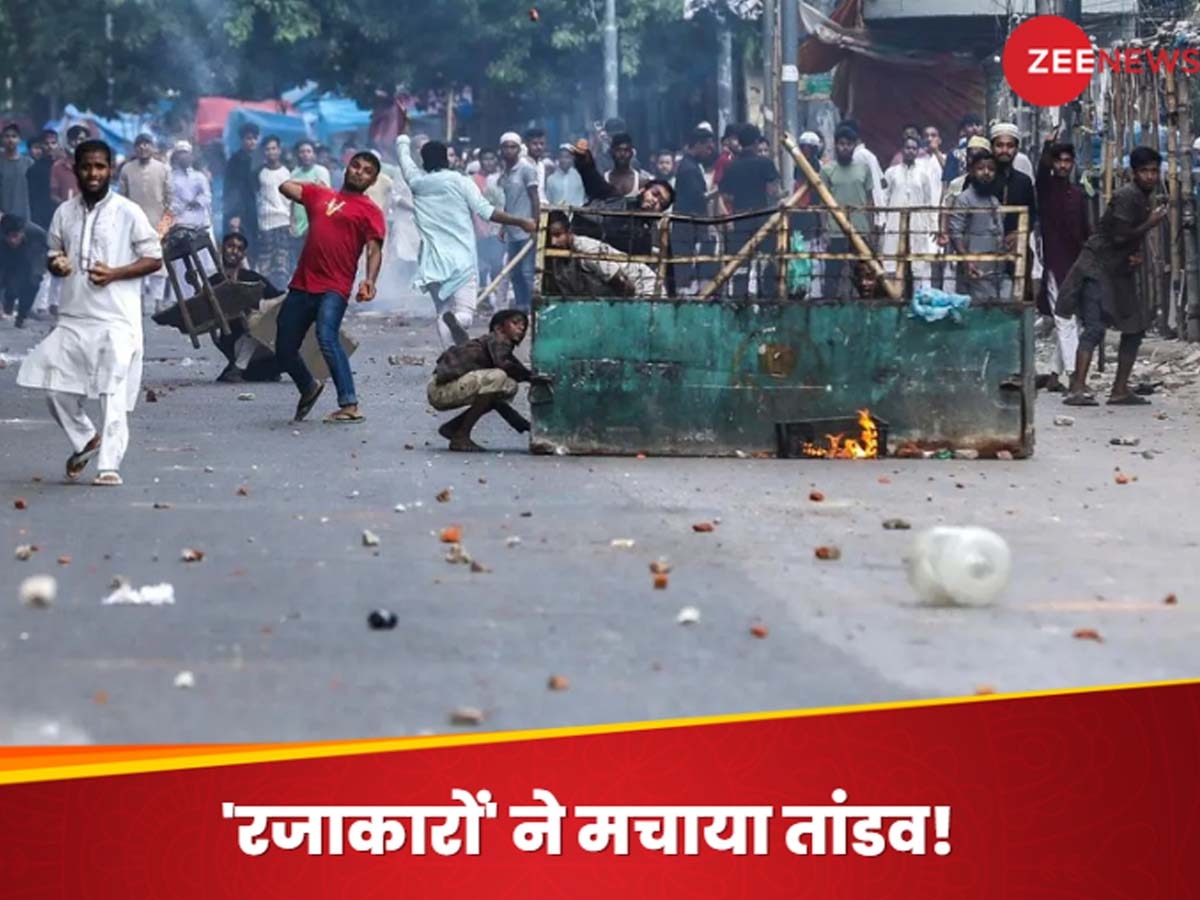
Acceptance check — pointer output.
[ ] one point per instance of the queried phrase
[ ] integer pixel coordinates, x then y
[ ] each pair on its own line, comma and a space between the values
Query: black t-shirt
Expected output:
746, 180
690, 189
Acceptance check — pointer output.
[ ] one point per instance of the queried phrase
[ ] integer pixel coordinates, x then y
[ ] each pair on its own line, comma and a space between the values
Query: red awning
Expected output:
212, 112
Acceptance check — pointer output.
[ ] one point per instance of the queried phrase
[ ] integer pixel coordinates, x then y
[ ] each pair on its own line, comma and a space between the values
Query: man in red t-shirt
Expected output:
340, 224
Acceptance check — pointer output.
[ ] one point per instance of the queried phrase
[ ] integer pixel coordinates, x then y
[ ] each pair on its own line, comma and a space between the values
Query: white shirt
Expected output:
565, 188
274, 209
96, 346
443, 203
871, 161
641, 276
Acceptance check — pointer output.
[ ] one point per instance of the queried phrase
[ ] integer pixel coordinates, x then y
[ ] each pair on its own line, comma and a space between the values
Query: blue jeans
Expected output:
299, 311
522, 275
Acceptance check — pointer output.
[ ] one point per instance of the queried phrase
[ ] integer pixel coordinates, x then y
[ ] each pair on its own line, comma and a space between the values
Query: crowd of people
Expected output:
90, 233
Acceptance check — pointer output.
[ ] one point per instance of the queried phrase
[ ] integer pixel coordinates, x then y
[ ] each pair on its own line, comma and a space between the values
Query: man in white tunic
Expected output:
101, 245
909, 185
447, 267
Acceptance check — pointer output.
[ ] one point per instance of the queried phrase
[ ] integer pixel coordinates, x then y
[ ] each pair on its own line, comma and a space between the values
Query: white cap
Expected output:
510, 137
811, 138
705, 126
1196, 144
183, 147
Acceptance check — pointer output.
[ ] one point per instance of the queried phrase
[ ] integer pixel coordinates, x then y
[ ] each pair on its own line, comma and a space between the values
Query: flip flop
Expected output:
341, 417
1128, 400
107, 479
304, 407
1080, 400
77, 462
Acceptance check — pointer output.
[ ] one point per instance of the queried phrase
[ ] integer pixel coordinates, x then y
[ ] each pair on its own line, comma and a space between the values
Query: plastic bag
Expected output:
799, 271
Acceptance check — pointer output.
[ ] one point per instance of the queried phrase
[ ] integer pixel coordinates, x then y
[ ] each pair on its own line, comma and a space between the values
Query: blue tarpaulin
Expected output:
119, 133
288, 129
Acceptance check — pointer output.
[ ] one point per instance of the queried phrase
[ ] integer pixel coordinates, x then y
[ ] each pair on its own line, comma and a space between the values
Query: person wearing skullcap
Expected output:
518, 179
1012, 187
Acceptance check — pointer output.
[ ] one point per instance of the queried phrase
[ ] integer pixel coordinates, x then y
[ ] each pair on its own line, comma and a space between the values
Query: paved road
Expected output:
272, 623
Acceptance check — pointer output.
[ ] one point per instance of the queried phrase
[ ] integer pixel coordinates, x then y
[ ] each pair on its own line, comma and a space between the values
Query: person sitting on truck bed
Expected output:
481, 375
637, 235
582, 277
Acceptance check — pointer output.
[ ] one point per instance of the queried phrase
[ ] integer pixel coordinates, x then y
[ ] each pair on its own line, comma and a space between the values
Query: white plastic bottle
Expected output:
966, 566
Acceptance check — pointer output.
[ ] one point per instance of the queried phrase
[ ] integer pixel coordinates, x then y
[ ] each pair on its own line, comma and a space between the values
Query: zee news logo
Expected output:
1049, 61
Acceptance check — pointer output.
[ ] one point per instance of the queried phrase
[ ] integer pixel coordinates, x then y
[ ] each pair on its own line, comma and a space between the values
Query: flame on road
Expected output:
838, 446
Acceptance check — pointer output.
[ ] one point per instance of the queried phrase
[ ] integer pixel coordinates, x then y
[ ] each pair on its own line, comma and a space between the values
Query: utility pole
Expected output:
789, 77
108, 60
770, 75
611, 68
724, 73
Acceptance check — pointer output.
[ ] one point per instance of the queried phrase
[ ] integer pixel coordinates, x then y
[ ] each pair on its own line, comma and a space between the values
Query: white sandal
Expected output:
107, 479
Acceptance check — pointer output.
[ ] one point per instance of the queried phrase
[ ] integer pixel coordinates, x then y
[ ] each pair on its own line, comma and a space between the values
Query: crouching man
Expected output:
482, 375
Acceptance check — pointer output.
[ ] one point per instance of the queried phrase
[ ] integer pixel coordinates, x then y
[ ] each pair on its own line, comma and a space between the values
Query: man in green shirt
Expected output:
852, 187
307, 170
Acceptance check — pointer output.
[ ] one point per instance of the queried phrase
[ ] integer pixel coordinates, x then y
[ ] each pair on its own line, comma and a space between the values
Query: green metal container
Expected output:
711, 378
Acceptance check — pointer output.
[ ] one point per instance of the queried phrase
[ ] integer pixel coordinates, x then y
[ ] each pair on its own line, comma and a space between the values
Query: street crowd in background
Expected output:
445, 220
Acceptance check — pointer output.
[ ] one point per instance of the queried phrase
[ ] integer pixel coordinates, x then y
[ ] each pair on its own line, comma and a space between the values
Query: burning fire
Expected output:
865, 446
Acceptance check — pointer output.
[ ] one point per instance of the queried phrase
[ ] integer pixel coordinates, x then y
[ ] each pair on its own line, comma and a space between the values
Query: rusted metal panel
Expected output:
679, 377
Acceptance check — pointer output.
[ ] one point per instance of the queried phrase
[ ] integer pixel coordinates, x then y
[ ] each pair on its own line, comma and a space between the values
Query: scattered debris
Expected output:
759, 631
621, 543
984, 689
689, 615
660, 567
188, 555
478, 567
443, 496
828, 552
451, 534
246, 396
1147, 454
209, 470
883, 479
401, 359
100, 698
661, 581
512, 541
456, 555
703, 527
243, 491
897, 524
741, 454
23, 552
558, 683
966, 453
399, 507
1064, 421
1125, 441
20, 503
1122, 478
159, 504
816, 496
124, 594
1005, 455
151, 395
1170, 600
39, 591
64, 560
1087, 634
466, 715
381, 620
370, 538
185, 679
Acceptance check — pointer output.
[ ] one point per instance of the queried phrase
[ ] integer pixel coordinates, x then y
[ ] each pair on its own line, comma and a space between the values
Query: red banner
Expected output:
1090, 794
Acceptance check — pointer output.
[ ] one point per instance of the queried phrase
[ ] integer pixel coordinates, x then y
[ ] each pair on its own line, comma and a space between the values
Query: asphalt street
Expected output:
272, 623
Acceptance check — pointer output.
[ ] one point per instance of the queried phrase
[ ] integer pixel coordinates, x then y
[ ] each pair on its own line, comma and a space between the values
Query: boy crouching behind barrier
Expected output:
482, 375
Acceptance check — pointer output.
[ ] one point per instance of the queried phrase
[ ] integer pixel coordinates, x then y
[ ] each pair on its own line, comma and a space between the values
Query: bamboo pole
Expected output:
839, 216
902, 250
664, 252
740, 258
1022, 256
539, 261
782, 246
1189, 322
1176, 282
504, 273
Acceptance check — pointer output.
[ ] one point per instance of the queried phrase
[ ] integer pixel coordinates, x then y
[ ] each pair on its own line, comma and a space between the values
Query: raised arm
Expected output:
293, 190
594, 184
408, 167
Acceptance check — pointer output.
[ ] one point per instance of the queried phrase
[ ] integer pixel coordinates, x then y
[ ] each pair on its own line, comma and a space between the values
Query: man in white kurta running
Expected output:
101, 246
447, 267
